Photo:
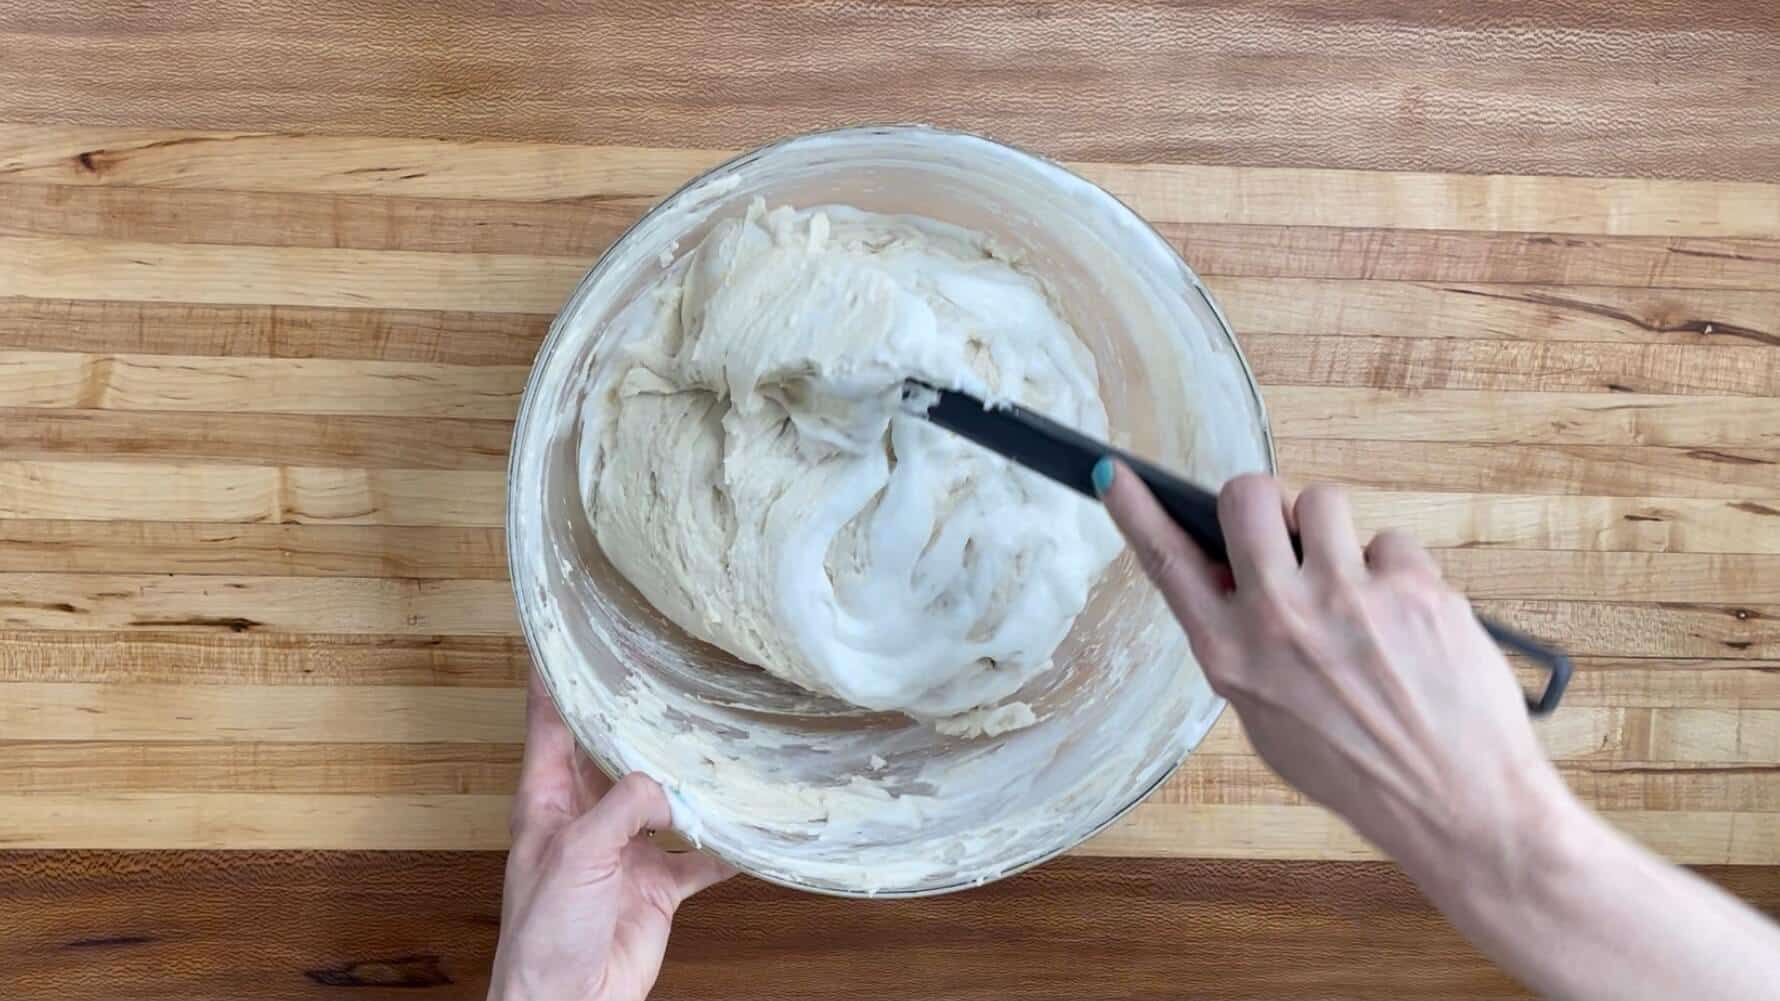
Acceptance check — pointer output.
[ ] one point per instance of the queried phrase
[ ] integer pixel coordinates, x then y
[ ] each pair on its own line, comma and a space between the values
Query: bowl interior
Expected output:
802, 789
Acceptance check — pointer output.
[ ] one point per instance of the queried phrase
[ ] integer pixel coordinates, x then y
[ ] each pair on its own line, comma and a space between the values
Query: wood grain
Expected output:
142, 713
430, 769
1557, 522
58, 379
259, 925
1566, 389
315, 215
258, 331
296, 550
385, 820
1666, 630
331, 714
1641, 314
325, 440
183, 819
1706, 683
1265, 196
253, 925
207, 657
1496, 88
1490, 258
425, 769
1705, 422
259, 351
179, 491
229, 658
1614, 577
1285, 361
243, 604
1743, 475
65, 268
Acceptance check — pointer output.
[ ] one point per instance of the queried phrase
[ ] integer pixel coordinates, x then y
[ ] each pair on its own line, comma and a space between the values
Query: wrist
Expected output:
1493, 868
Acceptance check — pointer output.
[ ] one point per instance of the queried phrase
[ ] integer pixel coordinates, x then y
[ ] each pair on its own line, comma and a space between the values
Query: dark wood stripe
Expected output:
448, 337
253, 549
264, 925
1580, 87
257, 439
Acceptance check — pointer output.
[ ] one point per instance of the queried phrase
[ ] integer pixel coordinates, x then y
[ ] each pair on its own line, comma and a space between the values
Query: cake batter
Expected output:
746, 467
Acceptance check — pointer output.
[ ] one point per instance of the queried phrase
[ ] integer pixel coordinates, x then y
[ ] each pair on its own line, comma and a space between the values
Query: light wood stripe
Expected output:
1619, 630
1167, 193
1645, 683
1623, 577
1300, 406
1623, 317
238, 494
341, 165
351, 714
152, 437
1412, 363
478, 553
79, 268
70, 268
1664, 524
126, 491
224, 494
52, 767
333, 714
1604, 735
258, 766
1522, 285
160, 657
163, 820
1741, 474
1716, 628
191, 658
1450, 256
1164, 192
158, 820
244, 604
1307, 832
361, 222
1243, 780
254, 385
253, 549
586, 228
1525, 418
177, 328
341, 659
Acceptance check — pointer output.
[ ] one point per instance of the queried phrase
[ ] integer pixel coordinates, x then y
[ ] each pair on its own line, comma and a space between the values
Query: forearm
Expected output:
1579, 912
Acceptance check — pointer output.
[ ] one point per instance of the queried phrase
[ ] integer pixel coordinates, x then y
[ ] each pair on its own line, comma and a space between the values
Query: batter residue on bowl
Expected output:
745, 465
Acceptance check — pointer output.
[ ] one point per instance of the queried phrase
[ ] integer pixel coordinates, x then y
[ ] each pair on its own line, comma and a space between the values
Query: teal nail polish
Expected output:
1102, 475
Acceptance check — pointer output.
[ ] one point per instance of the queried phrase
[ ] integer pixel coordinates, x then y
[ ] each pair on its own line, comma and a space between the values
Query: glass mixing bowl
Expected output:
807, 791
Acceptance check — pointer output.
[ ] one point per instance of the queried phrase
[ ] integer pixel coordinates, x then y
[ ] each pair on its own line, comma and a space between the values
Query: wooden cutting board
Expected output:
256, 393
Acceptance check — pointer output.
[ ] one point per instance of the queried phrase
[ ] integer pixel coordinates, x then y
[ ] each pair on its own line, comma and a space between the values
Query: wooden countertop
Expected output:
260, 681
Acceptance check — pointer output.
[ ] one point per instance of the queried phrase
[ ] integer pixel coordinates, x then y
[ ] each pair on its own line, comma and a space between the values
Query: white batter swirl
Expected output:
745, 466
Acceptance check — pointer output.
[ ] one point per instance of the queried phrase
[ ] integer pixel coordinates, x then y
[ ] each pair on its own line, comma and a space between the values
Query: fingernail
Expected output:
1102, 475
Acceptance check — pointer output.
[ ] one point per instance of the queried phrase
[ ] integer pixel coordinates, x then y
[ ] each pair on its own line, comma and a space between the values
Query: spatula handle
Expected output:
1068, 456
